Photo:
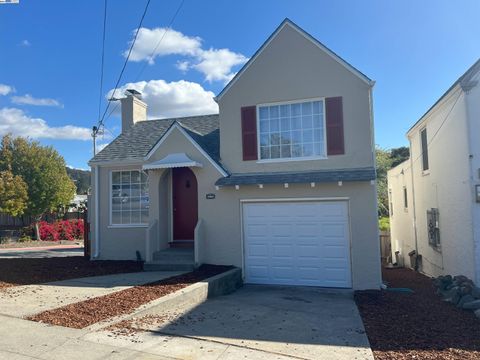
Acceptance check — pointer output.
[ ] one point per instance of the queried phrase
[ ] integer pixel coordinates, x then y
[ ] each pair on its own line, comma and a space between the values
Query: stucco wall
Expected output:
473, 111
402, 232
445, 186
293, 68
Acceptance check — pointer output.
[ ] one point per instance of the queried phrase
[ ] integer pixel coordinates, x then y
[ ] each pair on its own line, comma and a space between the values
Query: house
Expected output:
434, 196
280, 183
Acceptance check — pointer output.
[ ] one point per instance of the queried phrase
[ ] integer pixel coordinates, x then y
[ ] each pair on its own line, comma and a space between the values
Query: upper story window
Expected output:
424, 147
405, 198
292, 130
129, 200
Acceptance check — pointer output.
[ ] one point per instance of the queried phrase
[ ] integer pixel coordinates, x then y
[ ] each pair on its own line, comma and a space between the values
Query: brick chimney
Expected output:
133, 109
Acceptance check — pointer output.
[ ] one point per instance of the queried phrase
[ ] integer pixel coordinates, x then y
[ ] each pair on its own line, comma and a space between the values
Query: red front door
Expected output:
185, 203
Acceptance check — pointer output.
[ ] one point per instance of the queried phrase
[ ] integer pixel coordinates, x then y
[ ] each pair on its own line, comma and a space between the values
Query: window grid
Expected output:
294, 130
130, 201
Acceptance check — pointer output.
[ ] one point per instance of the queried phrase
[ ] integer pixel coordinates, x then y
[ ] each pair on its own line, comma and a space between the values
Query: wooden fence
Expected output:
8, 222
385, 247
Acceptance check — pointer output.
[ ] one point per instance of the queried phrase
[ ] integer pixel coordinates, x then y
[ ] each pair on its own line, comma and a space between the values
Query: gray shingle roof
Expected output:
362, 174
136, 142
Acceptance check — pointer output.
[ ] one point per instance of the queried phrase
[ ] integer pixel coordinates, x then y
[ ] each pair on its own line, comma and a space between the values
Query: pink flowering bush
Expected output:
61, 230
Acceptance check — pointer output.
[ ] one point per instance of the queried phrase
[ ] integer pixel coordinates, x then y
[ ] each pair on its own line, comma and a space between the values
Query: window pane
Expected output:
274, 125
125, 191
286, 151
135, 177
144, 189
285, 111
264, 152
116, 217
116, 177
307, 149
307, 108
317, 135
264, 126
317, 107
296, 137
275, 152
135, 203
125, 203
318, 149
307, 136
285, 138
116, 204
125, 177
296, 123
296, 150
307, 122
116, 190
144, 203
274, 112
264, 139
125, 217
135, 190
285, 124
144, 177
275, 139
296, 110
317, 121
135, 217
263, 112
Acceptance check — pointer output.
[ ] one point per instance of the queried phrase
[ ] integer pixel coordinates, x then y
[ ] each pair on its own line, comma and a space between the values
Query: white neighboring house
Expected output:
435, 195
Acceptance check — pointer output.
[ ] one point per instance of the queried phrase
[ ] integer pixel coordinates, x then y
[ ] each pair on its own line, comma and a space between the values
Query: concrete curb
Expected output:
186, 298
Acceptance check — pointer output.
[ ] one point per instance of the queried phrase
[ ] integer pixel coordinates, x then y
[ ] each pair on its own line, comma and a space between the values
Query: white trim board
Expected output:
288, 22
177, 126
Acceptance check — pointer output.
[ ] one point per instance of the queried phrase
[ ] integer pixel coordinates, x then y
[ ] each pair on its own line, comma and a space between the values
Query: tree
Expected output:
42, 168
384, 163
399, 155
81, 178
13, 194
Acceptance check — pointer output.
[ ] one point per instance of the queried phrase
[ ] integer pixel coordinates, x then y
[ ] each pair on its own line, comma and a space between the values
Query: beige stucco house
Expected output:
280, 183
434, 196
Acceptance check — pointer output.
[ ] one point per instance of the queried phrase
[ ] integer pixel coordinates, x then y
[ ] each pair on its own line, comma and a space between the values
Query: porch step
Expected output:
161, 266
183, 244
171, 259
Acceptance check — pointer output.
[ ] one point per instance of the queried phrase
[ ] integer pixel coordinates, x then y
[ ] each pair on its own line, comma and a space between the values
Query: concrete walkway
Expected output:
42, 252
22, 301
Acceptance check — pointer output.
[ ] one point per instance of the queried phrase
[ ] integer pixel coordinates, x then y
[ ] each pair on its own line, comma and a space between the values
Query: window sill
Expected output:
266, 161
425, 172
122, 226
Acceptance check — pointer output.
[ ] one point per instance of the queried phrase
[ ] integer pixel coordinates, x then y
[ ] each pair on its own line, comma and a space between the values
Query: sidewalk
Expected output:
27, 300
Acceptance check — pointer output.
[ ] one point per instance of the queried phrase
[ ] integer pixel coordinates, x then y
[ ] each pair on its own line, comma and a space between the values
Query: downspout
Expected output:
414, 206
374, 160
97, 215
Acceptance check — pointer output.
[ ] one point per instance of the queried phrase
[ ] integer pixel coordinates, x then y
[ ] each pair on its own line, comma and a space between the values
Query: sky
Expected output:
50, 58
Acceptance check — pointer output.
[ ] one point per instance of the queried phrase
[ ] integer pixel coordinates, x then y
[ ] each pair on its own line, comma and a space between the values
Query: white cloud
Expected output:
17, 122
173, 43
214, 64
24, 43
172, 99
100, 147
6, 89
28, 99
217, 64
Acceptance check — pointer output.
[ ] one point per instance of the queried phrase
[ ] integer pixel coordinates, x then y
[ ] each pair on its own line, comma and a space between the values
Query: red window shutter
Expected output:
249, 132
334, 122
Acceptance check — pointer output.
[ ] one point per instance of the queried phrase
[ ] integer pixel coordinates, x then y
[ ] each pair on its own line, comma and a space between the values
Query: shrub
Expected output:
61, 230
384, 223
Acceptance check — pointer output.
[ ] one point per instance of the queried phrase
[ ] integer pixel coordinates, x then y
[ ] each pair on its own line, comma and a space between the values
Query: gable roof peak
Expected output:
294, 26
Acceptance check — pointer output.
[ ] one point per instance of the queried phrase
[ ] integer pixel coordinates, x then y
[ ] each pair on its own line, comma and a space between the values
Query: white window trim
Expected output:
110, 210
424, 172
303, 158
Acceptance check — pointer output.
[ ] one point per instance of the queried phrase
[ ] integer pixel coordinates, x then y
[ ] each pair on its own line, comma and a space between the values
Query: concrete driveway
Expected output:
256, 322
42, 252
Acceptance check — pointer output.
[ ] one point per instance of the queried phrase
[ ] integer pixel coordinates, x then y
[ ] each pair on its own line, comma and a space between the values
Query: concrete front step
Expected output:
164, 266
174, 255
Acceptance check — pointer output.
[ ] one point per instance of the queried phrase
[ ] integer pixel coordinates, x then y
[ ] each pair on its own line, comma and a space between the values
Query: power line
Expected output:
100, 123
169, 26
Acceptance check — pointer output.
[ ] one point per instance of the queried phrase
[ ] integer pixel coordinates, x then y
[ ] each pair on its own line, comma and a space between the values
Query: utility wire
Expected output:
172, 20
103, 59
100, 123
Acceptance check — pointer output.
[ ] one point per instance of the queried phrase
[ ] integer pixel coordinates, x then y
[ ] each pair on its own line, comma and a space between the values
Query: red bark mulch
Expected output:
404, 326
85, 313
14, 272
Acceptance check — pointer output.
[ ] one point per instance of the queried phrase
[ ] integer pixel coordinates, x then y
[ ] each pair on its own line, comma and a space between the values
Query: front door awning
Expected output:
172, 161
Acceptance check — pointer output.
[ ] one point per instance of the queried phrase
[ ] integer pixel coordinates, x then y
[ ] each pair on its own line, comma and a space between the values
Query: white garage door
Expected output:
297, 243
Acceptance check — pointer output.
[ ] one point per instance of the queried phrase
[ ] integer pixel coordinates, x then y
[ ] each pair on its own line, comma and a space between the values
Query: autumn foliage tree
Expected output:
42, 169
